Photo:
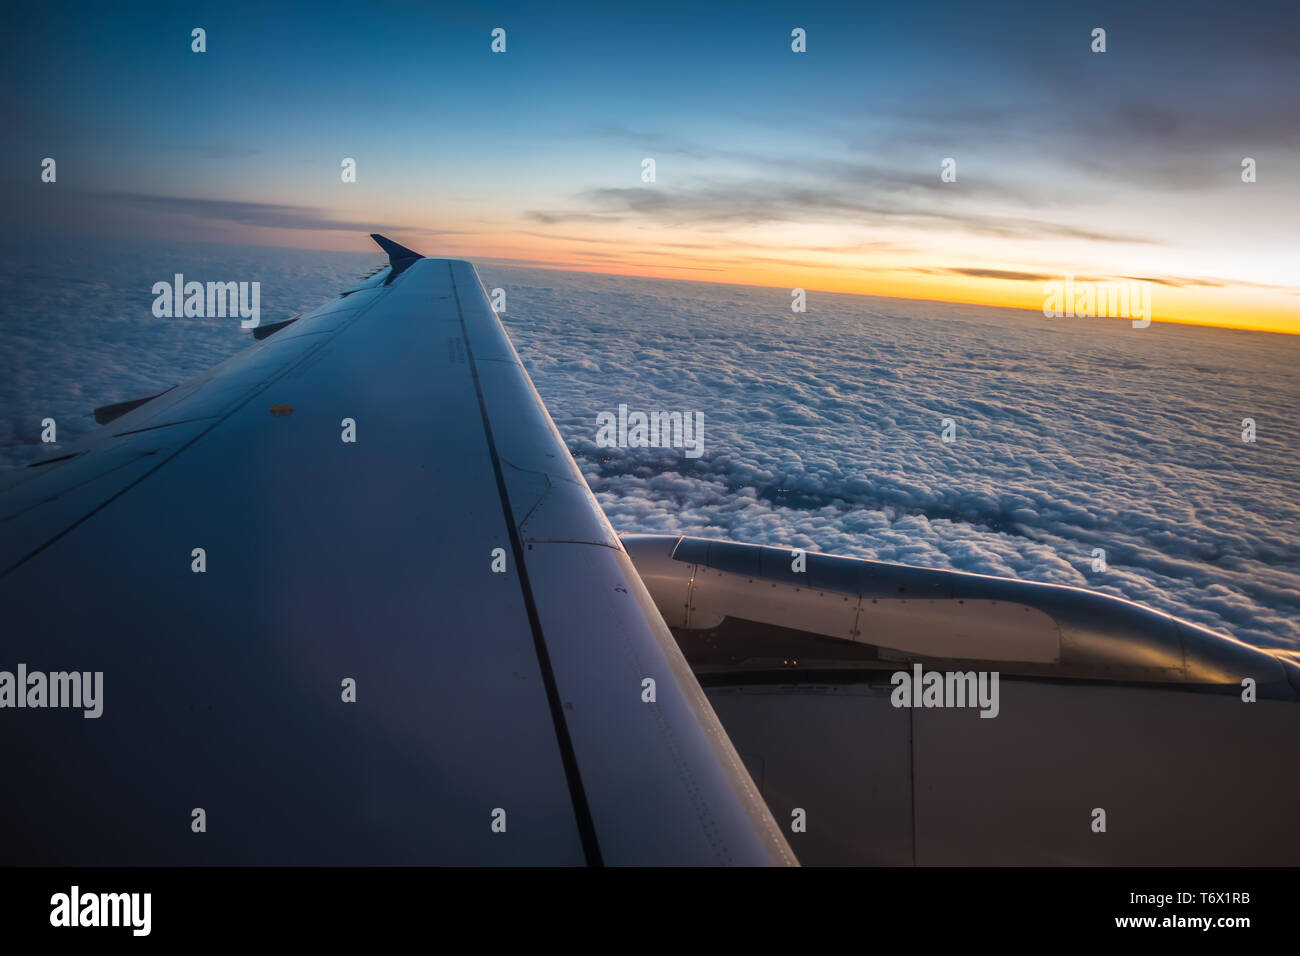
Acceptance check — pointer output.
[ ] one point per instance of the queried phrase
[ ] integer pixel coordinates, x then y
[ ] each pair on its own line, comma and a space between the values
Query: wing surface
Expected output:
500, 716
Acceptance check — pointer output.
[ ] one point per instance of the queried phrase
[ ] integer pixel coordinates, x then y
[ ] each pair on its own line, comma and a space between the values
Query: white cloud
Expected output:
821, 429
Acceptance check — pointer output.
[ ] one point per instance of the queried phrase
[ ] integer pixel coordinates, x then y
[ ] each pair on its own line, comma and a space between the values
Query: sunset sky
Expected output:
818, 170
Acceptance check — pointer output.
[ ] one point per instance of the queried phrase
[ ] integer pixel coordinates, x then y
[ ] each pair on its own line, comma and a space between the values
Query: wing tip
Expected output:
396, 251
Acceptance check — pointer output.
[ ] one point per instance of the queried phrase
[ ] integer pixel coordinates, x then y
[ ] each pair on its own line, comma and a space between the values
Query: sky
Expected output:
816, 170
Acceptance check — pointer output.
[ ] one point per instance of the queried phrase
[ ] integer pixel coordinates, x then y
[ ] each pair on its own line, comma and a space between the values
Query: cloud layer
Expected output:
822, 430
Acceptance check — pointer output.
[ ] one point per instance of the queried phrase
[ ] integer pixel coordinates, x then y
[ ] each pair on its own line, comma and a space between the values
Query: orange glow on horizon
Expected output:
1220, 303
977, 292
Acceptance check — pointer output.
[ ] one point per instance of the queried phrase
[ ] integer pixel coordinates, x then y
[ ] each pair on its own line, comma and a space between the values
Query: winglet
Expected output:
107, 413
395, 252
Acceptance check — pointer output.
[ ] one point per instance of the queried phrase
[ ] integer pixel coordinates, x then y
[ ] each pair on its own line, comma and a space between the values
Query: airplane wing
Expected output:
351, 602
346, 598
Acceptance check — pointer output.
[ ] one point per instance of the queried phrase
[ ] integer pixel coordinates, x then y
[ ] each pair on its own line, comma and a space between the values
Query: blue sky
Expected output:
816, 169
